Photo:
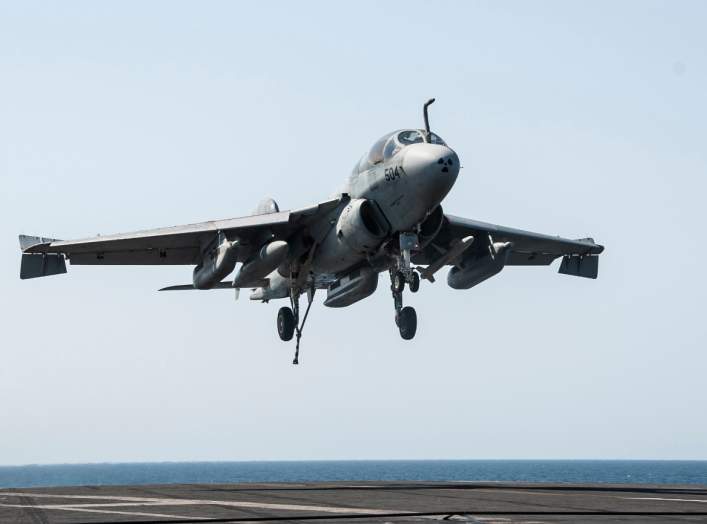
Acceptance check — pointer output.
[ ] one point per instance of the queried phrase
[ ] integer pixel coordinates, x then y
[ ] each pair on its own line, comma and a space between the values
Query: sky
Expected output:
571, 118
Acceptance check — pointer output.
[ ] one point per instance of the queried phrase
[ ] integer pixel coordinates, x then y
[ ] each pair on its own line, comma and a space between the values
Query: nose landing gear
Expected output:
414, 282
407, 322
405, 317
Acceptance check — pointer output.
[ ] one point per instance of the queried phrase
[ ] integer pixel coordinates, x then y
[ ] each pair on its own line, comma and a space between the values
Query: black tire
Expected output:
414, 282
398, 282
285, 323
407, 322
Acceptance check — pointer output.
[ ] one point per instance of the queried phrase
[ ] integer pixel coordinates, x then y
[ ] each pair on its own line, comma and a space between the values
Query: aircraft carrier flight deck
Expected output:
394, 502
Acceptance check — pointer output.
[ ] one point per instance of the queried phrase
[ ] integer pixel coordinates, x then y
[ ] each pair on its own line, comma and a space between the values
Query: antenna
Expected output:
427, 119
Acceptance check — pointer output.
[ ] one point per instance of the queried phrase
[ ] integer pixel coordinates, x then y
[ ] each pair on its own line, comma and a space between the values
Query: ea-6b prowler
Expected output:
388, 218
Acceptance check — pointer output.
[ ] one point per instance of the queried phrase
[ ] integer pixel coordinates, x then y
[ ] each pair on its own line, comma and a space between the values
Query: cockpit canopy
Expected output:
389, 145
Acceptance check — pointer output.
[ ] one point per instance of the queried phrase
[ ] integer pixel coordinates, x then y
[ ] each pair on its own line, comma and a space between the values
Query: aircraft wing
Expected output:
528, 248
168, 245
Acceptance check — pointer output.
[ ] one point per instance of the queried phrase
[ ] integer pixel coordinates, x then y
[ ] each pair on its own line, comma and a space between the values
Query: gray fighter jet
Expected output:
388, 218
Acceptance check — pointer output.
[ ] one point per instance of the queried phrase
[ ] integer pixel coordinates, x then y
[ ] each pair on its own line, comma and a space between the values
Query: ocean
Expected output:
562, 471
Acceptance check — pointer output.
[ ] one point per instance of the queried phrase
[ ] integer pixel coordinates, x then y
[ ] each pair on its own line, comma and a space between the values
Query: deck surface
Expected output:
393, 502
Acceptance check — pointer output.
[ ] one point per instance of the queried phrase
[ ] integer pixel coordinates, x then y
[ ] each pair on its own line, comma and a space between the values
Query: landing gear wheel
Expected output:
398, 282
414, 282
407, 322
285, 323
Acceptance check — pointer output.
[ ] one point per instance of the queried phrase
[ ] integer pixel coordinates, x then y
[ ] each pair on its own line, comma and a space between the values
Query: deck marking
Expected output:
149, 501
87, 510
659, 498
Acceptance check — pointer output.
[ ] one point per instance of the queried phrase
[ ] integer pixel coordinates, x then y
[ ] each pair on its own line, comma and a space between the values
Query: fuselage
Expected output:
404, 177
407, 180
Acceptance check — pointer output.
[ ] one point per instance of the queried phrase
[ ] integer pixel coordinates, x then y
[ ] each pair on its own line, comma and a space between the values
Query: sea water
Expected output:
563, 471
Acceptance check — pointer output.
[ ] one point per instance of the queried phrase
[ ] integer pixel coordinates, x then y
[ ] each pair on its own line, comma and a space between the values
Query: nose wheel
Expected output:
405, 317
407, 322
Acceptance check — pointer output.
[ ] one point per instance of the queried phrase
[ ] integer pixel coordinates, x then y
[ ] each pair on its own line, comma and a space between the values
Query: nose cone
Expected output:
432, 168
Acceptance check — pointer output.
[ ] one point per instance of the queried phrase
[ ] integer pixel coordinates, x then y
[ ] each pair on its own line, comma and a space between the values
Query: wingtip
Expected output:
596, 249
27, 242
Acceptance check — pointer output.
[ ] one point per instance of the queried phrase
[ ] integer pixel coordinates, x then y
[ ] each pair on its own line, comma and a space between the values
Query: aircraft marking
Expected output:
393, 173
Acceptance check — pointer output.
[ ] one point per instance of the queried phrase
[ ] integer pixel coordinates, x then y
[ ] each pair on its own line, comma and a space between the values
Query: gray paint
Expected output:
393, 194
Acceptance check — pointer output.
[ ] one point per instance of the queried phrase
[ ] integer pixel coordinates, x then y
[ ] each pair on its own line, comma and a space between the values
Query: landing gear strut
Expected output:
405, 317
398, 282
290, 319
405, 273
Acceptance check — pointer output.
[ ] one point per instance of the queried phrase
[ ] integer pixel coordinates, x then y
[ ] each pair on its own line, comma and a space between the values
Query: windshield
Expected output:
410, 137
375, 155
436, 139
390, 144
399, 140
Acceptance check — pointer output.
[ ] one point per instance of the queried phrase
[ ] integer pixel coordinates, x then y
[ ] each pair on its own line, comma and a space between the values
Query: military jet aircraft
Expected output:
388, 218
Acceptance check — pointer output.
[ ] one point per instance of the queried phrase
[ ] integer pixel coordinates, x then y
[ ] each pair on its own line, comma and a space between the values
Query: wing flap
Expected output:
519, 258
146, 257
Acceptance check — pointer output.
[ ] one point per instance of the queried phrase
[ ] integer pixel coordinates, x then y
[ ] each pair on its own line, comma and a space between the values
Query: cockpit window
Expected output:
410, 137
436, 139
391, 147
375, 155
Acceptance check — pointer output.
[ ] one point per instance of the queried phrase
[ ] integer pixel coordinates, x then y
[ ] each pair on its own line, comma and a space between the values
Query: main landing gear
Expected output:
285, 323
288, 319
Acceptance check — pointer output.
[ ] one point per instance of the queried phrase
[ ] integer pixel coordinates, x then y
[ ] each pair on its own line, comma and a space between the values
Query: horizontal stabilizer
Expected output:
226, 284
580, 266
43, 265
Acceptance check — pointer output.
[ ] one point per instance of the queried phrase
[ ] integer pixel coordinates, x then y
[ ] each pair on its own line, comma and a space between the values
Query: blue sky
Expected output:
571, 118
